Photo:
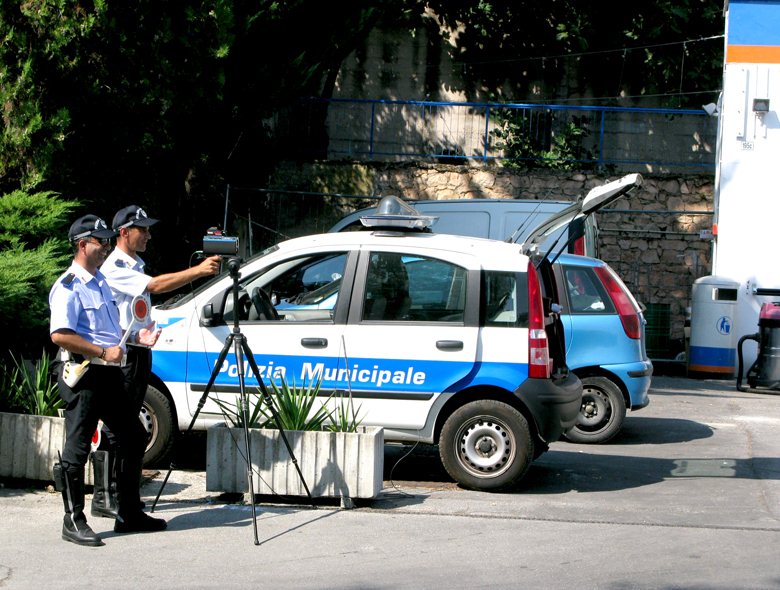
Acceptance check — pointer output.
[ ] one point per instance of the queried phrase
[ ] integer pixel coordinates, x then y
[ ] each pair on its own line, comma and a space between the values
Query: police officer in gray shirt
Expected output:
85, 325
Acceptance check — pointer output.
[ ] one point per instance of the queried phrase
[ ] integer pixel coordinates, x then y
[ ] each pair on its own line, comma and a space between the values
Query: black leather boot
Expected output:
104, 501
74, 525
131, 518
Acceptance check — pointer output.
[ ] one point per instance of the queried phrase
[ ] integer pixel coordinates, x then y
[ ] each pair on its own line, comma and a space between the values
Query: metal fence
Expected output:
657, 140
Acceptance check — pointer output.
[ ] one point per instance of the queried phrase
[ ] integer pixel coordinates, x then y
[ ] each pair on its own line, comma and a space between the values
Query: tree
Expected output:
120, 103
563, 49
33, 253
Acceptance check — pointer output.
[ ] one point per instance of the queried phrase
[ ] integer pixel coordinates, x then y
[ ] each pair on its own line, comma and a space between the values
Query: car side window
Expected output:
411, 288
585, 291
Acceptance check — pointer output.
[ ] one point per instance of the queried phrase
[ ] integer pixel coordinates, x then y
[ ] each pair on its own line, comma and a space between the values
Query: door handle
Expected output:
314, 342
449, 344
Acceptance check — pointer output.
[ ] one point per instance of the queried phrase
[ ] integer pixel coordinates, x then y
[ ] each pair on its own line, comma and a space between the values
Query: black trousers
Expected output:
136, 373
135, 379
100, 395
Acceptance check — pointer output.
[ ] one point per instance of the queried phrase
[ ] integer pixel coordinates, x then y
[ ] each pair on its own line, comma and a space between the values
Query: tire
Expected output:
157, 419
601, 414
486, 445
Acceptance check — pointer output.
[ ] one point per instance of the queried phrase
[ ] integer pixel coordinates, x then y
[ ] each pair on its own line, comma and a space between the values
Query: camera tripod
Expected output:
241, 350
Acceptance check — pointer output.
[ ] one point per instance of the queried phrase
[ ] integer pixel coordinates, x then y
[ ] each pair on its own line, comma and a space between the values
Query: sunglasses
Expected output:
102, 241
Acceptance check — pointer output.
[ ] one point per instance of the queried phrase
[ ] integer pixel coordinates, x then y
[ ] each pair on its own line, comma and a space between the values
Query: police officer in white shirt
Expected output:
125, 272
84, 323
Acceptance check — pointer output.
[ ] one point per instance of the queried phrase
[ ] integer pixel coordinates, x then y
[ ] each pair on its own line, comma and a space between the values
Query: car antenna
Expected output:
516, 234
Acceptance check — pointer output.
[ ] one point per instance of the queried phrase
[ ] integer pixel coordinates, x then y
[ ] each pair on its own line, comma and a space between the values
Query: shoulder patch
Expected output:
68, 279
119, 263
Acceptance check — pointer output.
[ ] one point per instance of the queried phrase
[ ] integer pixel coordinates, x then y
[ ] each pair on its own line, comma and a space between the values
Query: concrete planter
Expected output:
29, 445
334, 464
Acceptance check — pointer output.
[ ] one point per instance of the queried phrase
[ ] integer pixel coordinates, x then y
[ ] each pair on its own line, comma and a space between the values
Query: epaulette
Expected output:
68, 279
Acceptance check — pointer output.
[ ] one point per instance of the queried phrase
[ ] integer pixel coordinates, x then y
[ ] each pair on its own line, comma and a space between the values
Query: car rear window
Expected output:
585, 291
504, 300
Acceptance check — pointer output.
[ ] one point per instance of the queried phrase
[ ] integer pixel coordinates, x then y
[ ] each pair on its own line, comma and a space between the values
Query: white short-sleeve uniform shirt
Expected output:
126, 277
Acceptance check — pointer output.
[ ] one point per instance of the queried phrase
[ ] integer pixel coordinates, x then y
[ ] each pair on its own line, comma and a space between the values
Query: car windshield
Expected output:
182, 298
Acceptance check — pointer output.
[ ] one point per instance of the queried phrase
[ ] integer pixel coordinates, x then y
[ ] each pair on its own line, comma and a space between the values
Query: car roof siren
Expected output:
394, 213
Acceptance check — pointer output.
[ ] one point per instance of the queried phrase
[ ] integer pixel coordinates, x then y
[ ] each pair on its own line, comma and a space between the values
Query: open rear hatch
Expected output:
597, 198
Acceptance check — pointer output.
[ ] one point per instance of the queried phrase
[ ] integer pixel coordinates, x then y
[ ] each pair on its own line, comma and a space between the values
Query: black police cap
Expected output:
132, 215
90, 226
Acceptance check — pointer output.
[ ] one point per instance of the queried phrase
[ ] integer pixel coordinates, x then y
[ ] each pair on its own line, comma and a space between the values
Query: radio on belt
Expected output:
215, 242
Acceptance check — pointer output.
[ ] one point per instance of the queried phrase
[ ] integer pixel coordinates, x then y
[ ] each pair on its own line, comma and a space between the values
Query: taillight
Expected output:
621, 300
538, 352
579, 246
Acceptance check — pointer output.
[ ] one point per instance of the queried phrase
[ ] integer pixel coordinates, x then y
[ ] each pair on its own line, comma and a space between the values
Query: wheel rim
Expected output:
149, 422
486, 446
596, 410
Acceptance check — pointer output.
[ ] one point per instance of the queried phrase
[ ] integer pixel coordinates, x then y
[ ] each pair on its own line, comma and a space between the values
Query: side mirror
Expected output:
207, 317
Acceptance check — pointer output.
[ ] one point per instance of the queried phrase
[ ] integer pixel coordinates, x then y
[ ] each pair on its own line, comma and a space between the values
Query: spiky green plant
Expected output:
30, 387
295, 407
235, 416
344, 417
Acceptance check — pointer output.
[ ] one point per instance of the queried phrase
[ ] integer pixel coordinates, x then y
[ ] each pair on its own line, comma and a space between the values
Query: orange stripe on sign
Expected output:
710, 369
757, 54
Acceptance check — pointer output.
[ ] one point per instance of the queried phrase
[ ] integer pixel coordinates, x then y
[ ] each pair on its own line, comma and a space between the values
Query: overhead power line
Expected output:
586, 53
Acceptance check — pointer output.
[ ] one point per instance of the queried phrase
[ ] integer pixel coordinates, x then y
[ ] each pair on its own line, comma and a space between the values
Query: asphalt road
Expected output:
687, 496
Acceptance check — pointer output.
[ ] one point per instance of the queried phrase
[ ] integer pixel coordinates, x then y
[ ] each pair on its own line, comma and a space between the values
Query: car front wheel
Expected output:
602, 412
486, 445
157, 419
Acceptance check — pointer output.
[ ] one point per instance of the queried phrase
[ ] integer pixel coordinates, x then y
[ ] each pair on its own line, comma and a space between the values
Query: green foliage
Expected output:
517, 49
40, 42
562, 150
344, 417
31, 219
566, 152
30, 388
296, 408
30, 261
234, 414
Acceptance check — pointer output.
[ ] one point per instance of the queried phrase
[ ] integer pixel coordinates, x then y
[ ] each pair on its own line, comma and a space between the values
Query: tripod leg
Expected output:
221, 359
270, 403
243, 400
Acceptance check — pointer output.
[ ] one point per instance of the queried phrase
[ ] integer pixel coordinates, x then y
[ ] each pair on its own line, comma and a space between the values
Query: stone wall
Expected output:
651, 238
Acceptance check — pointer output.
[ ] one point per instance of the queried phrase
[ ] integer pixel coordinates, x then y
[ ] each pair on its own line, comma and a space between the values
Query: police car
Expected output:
440, 339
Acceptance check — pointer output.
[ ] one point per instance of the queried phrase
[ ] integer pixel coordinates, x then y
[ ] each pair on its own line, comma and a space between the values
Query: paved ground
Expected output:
688, 496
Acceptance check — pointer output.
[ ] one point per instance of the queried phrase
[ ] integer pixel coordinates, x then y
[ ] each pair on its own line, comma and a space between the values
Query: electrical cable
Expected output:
587, 53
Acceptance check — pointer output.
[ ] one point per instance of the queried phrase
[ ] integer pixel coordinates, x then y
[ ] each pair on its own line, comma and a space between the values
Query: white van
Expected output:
498, 219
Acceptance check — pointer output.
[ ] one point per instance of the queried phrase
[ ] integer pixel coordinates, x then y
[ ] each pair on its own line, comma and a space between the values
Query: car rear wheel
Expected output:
602, 412
157, 419
486, 445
